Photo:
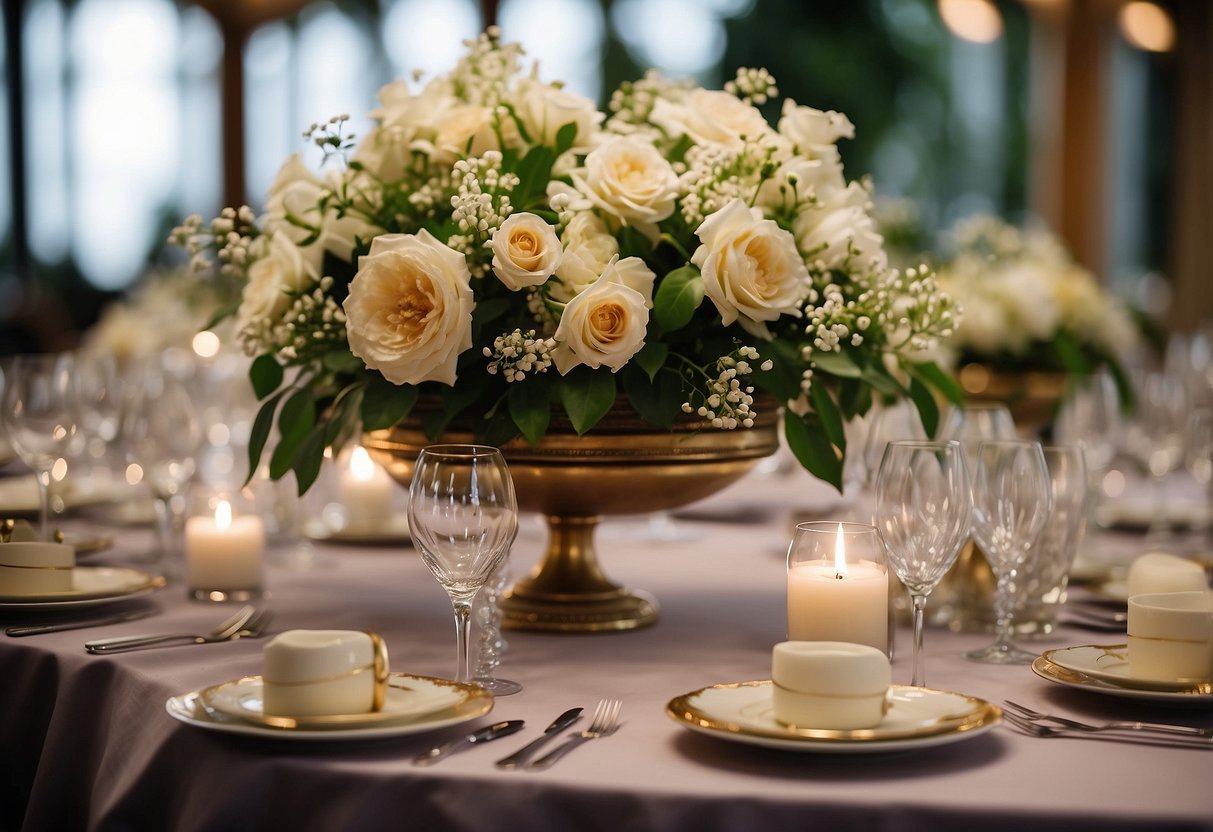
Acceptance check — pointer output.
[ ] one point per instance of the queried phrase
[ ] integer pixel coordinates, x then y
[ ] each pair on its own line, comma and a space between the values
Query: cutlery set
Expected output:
604, 723
1039, 724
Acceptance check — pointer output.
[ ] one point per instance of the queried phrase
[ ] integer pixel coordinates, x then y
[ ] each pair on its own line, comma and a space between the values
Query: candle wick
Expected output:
839, 576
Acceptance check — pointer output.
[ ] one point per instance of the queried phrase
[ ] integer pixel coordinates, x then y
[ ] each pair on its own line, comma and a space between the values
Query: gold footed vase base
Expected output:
568, 592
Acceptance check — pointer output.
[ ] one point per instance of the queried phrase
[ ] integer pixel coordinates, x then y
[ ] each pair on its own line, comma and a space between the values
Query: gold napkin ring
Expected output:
379, 647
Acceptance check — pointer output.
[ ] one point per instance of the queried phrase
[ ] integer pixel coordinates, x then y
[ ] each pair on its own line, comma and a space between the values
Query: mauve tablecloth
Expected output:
86, 742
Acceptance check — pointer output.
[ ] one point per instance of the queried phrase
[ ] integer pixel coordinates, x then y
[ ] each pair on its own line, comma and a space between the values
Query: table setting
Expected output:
891, 640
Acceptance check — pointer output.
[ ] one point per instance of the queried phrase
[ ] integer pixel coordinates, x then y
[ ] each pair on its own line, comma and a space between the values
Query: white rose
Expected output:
294, 198
629, 180
604, 325
588, 250
633, 273
544, 109
799, 180
813, 132
526, 251
409, 311
711, 117
283, 269
839, 232
751, 269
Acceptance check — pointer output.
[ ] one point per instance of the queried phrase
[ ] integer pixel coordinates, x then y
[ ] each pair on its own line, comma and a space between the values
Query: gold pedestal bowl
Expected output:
623, 466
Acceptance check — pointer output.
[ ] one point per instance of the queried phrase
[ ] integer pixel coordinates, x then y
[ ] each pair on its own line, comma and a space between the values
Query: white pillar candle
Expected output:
224, 552
832, 600
366, 493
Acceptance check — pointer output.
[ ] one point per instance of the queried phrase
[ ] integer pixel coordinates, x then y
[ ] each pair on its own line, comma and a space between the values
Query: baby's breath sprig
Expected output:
330, 136
480, 205
724, 401
518, 354
229, 239
313, 325
753, 86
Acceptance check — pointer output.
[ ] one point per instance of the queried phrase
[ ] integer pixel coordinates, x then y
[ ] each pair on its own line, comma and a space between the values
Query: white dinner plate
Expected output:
917, 718
1136, 514
395, 532
1110, 663
91, 586
1053, 672
19, 495
241, 711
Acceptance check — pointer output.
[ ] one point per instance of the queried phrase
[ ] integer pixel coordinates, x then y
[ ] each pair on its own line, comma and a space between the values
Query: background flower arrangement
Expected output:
1029, 306
499, 243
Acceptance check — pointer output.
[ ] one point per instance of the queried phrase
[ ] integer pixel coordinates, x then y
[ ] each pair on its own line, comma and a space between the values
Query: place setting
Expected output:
831, 690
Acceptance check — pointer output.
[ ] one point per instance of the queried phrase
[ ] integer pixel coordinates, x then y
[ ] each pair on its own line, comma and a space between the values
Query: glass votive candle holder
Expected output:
838, 584
224, 550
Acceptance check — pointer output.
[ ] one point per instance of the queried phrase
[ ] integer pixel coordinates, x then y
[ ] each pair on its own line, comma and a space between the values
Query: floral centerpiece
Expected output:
497, 243
1029, 306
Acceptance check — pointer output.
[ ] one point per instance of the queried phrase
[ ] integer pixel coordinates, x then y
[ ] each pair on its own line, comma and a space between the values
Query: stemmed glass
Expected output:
1155, 437
40, 416
923, 504
463, 516
1011, 501
1043, 589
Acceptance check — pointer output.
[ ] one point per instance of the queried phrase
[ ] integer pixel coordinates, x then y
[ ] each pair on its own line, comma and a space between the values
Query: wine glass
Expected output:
40, 416
923, 504
463, 516
1155, 438
1011, 502
162, 435
491, 644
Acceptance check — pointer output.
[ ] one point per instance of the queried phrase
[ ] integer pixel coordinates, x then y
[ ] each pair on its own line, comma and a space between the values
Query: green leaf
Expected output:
787, 369
498, 428
341, 361
827, 411
928, 410
879, 379
651, 357
677, 298
632, 243
384, 404
587, 395
265, 374
490, 309
308, 459
807, 440
836, 364
657, 400
534, 171
260, 433
530, 406
932, 374
295, 421
565, 137
1070, 354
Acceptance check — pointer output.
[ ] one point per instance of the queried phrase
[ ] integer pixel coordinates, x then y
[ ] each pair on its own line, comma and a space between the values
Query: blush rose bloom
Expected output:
409, 311
751, 269
629, 180
283, 269
711, 117
526, 251
603, 326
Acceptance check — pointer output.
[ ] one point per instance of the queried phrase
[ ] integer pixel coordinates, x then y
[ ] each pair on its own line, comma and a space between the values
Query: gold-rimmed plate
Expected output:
1104, 668
394, 532
917, 718
91, 586
234, 707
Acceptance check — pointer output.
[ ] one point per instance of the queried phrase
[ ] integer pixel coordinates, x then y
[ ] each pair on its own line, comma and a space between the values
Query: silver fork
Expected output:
1115, 725
604, 723
1039, 729
228, 628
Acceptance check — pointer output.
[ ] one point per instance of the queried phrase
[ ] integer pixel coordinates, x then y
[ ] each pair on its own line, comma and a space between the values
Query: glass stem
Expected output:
919, 676
463, 617
44, 504
1003, 604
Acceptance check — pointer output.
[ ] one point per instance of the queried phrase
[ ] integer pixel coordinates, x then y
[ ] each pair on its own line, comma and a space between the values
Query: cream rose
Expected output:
544, 109
292, 209
799, 180
588, 250
628, 179
814, 132
839, 231
603, 326
711, 117
526, 251
283, 269
751, 269
409, 310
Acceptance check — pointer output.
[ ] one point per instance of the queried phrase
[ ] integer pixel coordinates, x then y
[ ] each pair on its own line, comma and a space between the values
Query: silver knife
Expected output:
61, 626
494, 731
527, 751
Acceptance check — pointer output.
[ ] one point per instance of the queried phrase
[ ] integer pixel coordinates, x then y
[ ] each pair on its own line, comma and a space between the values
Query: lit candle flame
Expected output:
840, 555
223, 515
361, 466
